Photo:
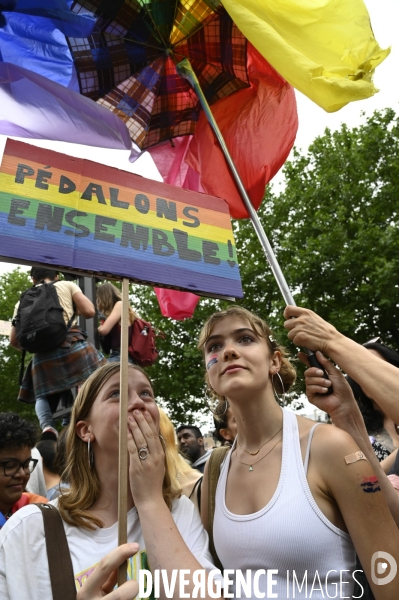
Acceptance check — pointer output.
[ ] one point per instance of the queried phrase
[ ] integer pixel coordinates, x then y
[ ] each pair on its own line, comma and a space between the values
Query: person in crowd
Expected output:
48, 451
346, 414
382, 430
293, 495
51, 373
36, 483
109, 303
225, 425
309, 330
17, 438
191, 444
164, 529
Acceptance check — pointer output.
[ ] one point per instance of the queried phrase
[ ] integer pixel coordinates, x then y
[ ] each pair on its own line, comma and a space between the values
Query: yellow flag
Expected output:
324, 48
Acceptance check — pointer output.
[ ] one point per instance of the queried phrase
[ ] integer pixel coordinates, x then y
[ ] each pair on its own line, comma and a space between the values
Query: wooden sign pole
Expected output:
123, 404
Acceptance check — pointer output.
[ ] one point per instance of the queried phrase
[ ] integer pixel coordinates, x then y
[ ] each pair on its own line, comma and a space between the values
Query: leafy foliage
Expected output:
12, 284
178, 375
334, 229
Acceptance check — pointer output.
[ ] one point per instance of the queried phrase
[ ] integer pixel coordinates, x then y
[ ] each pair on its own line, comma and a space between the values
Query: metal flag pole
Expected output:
186, 71
123, 403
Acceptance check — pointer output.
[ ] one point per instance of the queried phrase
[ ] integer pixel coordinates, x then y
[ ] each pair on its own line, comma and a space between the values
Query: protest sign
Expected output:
75, 214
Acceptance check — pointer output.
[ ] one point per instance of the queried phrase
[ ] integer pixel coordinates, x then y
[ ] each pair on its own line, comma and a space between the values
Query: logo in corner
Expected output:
380, 561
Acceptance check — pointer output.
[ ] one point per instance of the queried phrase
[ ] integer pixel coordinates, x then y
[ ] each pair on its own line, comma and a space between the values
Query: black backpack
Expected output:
39, 323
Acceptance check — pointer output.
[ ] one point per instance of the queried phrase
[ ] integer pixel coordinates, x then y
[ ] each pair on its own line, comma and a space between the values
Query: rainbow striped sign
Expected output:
76, 214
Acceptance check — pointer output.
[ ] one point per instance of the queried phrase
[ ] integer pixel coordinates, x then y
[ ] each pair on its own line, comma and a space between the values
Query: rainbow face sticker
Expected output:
212, 361
370, 485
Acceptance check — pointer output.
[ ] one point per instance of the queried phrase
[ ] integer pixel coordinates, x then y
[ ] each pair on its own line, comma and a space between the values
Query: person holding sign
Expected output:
164, 529
109, 303
293, 496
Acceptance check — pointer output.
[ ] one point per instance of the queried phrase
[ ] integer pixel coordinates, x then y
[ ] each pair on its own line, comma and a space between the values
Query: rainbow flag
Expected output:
76, 214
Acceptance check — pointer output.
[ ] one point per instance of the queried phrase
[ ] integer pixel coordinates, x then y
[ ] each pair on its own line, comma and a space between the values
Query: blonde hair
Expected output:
262, 329
107, 295
180, 466
74, 504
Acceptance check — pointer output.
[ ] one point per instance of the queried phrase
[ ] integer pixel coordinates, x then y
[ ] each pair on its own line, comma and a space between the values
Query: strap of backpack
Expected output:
22, 367
72, 318
215, 460
58, 555
73, 305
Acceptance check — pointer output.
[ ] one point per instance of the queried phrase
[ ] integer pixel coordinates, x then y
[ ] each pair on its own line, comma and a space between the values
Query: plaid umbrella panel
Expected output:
128, 63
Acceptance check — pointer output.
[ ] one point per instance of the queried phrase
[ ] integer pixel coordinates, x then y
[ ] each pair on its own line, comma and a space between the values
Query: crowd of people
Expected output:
304, 509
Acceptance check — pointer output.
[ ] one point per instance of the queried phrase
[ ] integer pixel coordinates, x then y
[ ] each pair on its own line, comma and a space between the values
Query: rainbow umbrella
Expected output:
156, 63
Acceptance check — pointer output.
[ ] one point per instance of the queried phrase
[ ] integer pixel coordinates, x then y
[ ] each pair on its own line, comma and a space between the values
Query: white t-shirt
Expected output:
65, 293
24, 572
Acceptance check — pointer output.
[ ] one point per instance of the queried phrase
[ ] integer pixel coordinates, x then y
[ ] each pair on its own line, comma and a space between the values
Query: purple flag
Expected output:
32, 106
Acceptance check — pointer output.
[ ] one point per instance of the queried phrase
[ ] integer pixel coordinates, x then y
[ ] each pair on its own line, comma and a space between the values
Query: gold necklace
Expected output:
264, 444
259, 459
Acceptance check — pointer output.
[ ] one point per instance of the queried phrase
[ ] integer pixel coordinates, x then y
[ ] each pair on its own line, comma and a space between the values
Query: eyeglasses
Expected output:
11, 467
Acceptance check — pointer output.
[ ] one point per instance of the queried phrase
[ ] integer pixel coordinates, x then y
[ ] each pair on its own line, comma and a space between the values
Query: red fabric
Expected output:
259, 125
27, 498
176, 305
169, 159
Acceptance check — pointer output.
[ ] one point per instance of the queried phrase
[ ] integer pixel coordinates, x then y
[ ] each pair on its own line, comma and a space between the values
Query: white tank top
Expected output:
290, 535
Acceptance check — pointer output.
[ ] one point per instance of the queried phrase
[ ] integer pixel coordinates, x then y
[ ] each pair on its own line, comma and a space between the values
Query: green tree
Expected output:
178, 375
12, 284
334, 229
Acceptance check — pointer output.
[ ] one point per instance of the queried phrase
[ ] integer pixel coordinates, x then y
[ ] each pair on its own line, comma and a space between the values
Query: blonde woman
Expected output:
109, 303
293, 497
164, 529
188, 479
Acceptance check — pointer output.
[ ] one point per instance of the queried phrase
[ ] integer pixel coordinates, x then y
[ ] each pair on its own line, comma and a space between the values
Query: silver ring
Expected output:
143, 453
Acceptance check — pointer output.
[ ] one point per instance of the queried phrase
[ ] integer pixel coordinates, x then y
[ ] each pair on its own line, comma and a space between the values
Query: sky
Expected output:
384, 15
313, 120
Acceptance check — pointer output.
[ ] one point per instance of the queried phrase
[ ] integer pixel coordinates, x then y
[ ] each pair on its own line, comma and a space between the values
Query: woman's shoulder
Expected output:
188, 522
180, 506
184, 512
28, 517
328, 441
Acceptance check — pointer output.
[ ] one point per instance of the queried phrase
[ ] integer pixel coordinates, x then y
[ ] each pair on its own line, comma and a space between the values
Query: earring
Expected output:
282, 400
226, 406
215, 401
90, 454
